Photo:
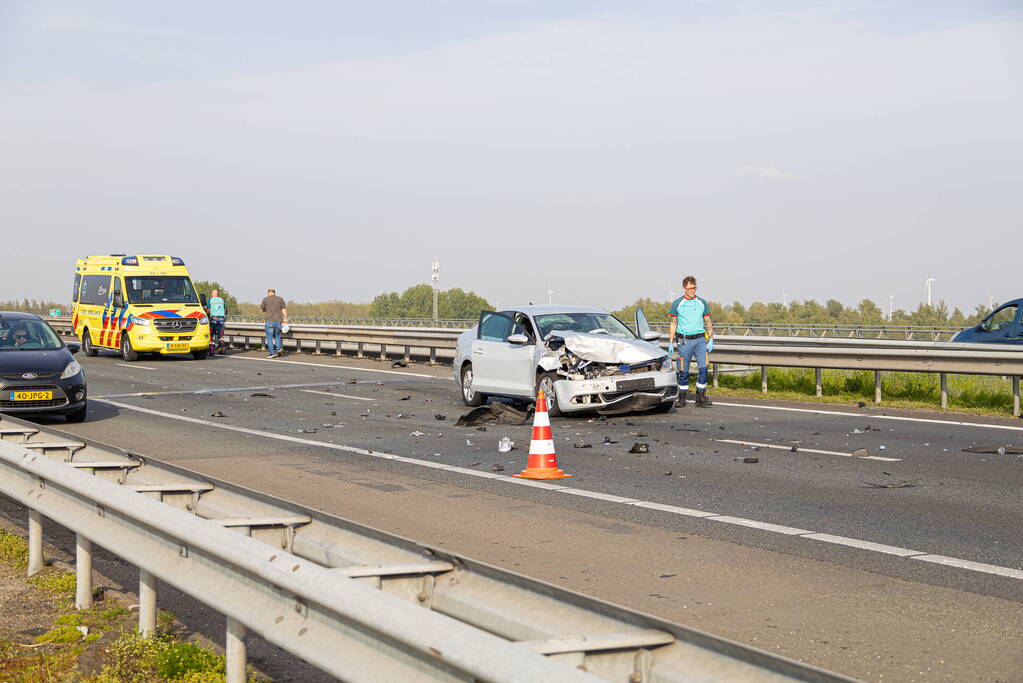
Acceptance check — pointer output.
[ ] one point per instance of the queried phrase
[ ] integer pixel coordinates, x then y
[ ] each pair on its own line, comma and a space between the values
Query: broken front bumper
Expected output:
617, 394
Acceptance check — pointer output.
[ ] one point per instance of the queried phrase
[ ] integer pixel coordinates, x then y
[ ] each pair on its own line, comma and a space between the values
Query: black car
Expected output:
37, 372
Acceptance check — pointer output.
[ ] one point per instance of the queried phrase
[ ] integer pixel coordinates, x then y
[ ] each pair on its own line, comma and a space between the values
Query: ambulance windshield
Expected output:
160, 289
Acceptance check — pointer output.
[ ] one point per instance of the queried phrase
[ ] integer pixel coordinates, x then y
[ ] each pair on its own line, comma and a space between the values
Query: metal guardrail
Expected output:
877, 355
356, 602
902, 332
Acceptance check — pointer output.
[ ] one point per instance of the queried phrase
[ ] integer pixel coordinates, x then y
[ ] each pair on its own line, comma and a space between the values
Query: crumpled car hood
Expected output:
602, 348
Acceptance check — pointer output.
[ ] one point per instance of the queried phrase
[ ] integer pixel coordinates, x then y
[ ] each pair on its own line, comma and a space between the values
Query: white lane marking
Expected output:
220, 390
864, 545
674, 509
800, 449
276, 361
132, 365
713, 516
329, 393
872, 416
973, 566
765, 526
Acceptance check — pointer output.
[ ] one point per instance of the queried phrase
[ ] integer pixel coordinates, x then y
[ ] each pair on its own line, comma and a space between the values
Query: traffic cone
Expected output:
542, 462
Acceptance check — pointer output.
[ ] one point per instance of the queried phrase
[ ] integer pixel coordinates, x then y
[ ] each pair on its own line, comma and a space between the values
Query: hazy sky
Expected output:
826, 149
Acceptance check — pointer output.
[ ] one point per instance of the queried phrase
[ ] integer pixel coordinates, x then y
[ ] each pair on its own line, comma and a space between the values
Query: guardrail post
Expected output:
817, 379
147, 603
763, 379
35, 542
433, 355
1015, 396
943, 381
234, 650
877, 387
317, 350
383, 352
83, 572
408, 353
714, 374
359, 351
337, 348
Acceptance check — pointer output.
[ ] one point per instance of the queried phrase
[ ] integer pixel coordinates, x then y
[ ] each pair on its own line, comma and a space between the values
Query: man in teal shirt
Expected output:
218, 316
690, 318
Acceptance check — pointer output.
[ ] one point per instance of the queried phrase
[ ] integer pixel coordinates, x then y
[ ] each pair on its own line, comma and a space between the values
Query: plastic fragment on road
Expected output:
505, 445
860, 453
893, 485
495, 413
639, 448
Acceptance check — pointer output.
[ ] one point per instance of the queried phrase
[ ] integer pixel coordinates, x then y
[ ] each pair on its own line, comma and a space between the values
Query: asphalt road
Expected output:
802, 552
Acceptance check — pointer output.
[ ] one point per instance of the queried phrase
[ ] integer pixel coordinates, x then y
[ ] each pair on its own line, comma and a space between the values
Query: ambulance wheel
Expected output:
87, 348
545, 381
470, 396
127, 353
201, 355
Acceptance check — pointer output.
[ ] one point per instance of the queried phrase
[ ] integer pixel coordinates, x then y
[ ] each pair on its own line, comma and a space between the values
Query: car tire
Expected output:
201, 355
545, 381
78, 415
470, 396
127, 353
87, 348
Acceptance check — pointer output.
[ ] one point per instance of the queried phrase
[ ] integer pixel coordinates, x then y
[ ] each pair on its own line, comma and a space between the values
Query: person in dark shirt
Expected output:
275, 314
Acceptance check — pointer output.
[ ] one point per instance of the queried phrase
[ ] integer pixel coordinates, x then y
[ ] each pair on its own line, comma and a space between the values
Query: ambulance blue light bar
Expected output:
175, 261
130, 261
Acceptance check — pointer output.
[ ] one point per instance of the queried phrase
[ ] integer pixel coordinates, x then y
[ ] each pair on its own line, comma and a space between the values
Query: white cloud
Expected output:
767, 173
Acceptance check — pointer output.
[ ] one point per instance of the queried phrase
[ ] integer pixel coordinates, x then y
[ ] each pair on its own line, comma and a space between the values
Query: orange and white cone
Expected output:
542, 462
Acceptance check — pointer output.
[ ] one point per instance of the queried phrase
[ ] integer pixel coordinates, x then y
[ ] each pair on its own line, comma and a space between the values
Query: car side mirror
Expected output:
118, 300
652, 335
203, 299
519, 339
74, 348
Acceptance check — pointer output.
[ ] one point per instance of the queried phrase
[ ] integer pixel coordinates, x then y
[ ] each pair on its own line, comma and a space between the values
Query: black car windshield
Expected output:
27, 335
160, 289
596, 323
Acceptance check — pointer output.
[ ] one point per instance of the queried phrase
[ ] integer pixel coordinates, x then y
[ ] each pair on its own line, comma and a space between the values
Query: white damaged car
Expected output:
584, 359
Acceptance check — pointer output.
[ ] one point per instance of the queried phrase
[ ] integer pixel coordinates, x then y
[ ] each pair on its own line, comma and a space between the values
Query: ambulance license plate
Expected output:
31, 396
635, 384
179, 347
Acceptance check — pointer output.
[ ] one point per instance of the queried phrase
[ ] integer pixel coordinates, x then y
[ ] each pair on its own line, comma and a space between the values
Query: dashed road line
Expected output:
336, 367
558, 488
133, 366
220, 390
800, 449
330, 393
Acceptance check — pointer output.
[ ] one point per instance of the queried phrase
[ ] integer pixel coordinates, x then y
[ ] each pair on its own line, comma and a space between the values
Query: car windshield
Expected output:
162, 289
596, 323
27, 335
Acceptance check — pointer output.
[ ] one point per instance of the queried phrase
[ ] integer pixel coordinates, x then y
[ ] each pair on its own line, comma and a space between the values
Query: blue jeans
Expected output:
273, 337
216, 329
686, 350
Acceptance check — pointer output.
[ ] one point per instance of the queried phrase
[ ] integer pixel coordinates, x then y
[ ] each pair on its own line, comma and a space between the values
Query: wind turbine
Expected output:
550, 295
927, 284
891, 305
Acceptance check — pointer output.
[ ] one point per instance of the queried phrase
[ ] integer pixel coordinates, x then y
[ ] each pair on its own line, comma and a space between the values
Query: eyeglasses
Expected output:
692, 287
21, 336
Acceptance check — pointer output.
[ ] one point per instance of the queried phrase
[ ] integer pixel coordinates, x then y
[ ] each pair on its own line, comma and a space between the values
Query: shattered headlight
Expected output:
667, 365
72, 369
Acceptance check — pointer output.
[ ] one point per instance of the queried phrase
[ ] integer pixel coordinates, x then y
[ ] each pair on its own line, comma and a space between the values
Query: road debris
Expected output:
416, 433
861, 404
217, 414
260, 395
860, 453
608, 441
497, 468
582, 445
505, 445
399, 364
474, 464
405, 398
405, 416
794, 448
640, 448
893, 485
438, 416
667, 473
495, 413
309, 430
750, 460
1000, 449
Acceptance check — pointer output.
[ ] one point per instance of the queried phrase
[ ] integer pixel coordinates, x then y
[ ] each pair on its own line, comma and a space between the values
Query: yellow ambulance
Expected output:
144, 303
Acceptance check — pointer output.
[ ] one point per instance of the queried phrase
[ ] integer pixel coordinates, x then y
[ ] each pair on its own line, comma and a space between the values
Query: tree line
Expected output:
811, 312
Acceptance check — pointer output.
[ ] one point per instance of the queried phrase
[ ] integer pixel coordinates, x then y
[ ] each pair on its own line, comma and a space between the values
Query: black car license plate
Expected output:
635, 384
